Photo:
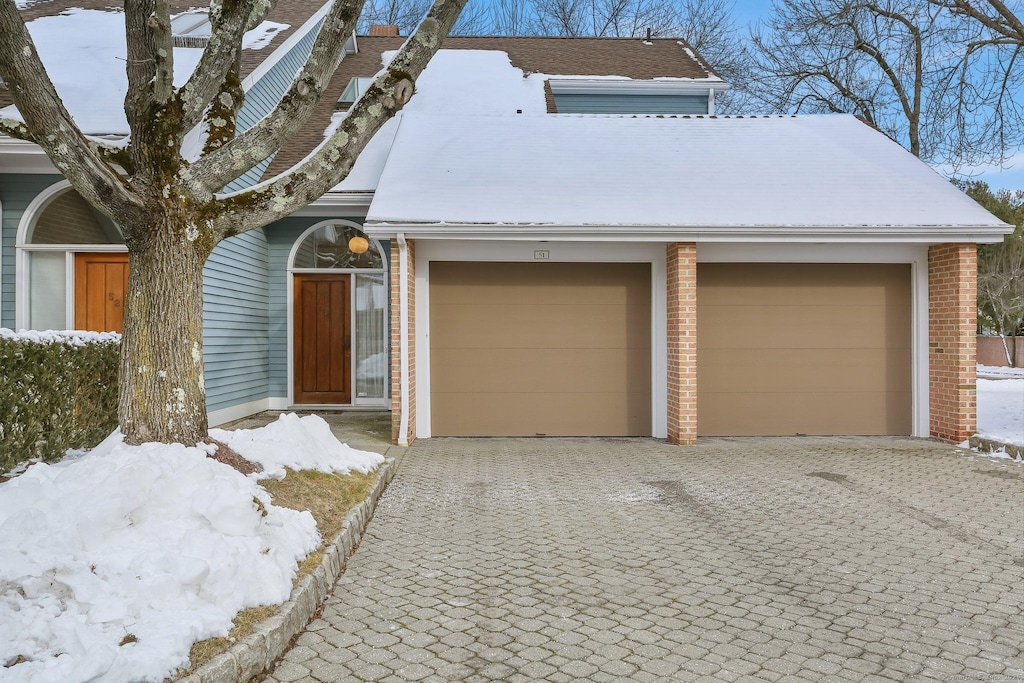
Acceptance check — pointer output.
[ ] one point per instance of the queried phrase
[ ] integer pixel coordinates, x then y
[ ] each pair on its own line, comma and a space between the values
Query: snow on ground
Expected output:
1001, 405
304, 443
989, 371
156, 541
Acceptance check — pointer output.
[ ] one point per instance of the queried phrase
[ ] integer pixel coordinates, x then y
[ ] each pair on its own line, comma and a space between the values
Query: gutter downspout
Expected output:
403, 344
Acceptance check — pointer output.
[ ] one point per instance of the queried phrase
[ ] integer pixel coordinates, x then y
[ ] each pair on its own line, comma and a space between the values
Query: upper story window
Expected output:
191, 29
353, 91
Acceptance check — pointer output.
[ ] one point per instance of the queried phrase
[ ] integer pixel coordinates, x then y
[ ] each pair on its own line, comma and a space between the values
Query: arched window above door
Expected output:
67, 218
337, 245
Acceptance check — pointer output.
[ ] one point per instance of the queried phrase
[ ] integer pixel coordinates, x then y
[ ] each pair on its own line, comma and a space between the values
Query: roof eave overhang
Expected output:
985, 234
355, 203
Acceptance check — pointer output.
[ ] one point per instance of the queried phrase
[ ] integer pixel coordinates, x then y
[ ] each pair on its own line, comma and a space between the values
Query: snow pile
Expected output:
113, 564
1001, 409
304, 443
993, 371
73, 337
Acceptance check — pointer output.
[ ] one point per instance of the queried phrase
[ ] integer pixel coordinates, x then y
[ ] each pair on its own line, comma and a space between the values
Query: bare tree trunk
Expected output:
162, 391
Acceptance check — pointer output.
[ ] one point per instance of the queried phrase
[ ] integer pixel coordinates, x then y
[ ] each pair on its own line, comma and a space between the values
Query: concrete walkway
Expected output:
615, 559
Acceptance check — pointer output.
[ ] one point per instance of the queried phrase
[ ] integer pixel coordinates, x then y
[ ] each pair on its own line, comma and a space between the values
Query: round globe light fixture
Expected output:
358, 245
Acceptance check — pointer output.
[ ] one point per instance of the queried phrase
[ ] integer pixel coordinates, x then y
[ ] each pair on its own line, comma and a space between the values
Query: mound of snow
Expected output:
157, 541
298, 443
996, 371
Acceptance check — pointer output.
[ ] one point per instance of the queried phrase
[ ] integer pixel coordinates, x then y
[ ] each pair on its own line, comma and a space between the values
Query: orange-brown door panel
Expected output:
323, 349
101, 287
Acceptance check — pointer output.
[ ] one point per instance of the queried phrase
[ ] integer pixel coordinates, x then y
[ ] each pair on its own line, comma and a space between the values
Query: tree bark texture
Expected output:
162, 388
170, 209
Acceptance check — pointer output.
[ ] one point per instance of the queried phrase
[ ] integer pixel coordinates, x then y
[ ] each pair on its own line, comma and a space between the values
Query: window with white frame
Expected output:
61, 225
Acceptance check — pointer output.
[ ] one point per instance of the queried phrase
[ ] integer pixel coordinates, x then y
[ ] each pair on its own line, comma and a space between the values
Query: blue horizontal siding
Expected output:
235, 320
16, 192
264, 95
631, 104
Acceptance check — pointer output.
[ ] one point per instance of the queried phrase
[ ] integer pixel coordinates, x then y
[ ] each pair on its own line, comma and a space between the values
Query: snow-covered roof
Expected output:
84, 52
467, 81
503, 75
687, 172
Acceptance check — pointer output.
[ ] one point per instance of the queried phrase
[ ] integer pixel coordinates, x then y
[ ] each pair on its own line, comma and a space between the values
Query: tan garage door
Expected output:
524, 349
803, 349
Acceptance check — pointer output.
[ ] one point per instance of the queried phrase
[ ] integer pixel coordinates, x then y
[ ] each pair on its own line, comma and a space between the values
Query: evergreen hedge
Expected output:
58, 390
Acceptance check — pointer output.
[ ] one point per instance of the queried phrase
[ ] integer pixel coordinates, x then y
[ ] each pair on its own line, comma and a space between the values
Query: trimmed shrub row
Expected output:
58, 390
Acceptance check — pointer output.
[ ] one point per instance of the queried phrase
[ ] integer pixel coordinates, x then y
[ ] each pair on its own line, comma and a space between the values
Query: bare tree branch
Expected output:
48, 123
229, 20
235, 157
333, 160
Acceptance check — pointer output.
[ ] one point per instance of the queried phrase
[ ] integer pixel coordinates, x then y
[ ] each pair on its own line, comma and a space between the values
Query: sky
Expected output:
1011, 177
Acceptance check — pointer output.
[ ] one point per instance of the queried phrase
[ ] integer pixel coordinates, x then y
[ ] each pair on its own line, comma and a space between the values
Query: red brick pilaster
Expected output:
396, 342
952, 323
682, 343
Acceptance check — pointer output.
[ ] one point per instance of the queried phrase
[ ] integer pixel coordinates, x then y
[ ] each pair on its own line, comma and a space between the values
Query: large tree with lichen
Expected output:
171, 210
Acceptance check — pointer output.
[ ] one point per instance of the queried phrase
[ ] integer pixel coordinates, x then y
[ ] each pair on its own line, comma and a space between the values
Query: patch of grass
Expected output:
243, 624
328, 497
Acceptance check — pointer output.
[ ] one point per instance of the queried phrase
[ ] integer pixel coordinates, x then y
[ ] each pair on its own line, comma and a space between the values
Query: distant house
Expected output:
555, 237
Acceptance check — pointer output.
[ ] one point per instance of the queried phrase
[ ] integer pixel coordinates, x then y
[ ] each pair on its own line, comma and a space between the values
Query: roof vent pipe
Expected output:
648, 34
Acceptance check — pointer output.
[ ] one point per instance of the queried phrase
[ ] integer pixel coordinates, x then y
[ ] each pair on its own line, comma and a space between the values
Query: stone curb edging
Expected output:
255, 653
992, 446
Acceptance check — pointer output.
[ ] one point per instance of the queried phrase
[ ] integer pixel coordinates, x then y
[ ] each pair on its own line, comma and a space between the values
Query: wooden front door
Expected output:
323, 348
101, 286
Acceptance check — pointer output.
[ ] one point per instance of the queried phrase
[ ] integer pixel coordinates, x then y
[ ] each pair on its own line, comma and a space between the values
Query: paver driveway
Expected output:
616, 559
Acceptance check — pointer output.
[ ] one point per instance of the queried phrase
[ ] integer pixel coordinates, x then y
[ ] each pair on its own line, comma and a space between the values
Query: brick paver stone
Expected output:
632, 559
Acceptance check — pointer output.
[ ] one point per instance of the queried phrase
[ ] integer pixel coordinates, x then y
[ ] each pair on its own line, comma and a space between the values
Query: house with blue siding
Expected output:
527, 248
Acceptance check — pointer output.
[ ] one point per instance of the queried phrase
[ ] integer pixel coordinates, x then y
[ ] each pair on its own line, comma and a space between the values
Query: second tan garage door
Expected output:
525, 349
803, 349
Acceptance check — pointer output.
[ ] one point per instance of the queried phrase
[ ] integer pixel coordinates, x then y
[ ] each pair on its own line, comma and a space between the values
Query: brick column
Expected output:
396, 342
952, 323
682, 343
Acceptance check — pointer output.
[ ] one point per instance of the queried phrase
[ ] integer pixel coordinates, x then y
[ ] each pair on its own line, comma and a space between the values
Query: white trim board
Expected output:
291, 41
864, 235
522, 252
237, 412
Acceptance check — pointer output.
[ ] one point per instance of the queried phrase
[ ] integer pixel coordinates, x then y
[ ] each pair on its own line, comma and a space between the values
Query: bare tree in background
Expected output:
606, 18
405, 14
982, 87
903, 66
1001, 268
512, 18
171, 209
